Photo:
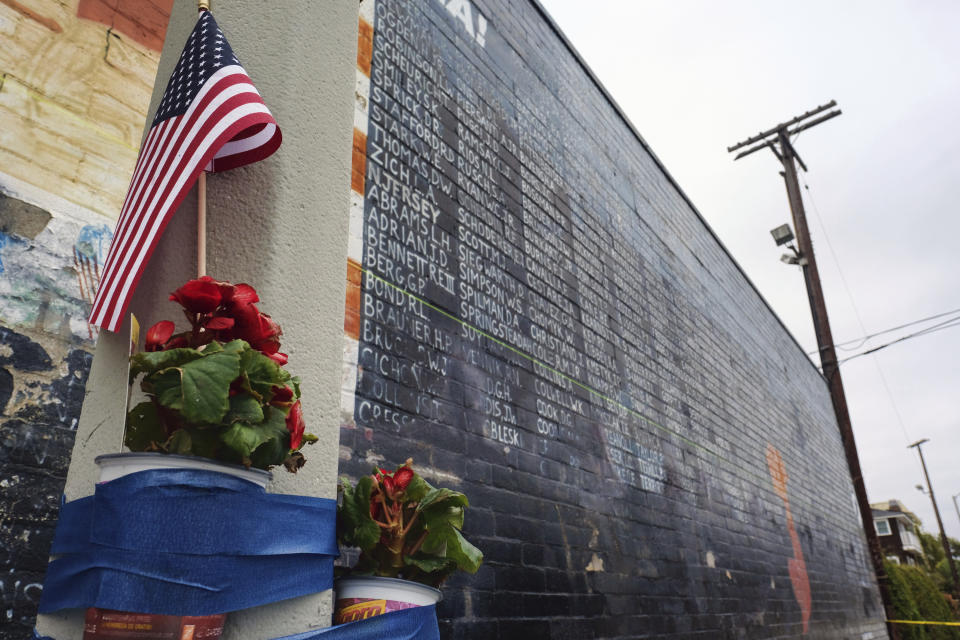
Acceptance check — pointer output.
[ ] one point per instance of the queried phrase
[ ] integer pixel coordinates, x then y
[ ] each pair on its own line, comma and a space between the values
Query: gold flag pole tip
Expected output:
203, 5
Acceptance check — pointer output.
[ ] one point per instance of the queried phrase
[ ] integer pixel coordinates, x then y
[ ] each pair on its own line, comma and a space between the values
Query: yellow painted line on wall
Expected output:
39, 96
941, 624
594, 392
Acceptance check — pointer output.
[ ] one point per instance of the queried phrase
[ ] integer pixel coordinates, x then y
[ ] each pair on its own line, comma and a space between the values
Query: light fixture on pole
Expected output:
782, 235
936, 511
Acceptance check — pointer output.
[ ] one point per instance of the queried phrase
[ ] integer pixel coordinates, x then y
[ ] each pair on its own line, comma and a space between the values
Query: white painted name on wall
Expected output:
471, 19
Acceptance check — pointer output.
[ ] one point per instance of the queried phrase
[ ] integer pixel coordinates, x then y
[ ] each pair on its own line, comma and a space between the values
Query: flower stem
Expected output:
419, 543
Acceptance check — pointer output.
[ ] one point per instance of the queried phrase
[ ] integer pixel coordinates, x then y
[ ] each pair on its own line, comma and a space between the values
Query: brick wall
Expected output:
538, 316
75, 84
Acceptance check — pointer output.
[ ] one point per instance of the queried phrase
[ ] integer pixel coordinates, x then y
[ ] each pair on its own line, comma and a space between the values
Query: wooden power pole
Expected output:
777, 139
936, 510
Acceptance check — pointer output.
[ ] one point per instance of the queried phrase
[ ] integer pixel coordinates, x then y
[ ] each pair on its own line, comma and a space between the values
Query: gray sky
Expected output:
695, 77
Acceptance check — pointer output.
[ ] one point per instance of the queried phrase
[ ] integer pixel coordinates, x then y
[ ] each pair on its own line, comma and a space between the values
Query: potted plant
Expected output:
218, 390
217, 398
409, 536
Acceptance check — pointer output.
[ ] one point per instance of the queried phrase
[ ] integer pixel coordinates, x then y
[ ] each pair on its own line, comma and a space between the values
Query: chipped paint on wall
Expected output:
75, 83
74, 95
48, 277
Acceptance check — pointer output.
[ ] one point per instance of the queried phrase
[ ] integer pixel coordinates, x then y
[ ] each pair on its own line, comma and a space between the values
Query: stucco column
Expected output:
280, 225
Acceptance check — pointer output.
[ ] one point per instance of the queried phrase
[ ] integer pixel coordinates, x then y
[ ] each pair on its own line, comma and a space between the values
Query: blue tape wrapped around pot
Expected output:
188, 542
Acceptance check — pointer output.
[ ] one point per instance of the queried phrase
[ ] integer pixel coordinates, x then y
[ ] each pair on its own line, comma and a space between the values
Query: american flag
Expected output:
211, 118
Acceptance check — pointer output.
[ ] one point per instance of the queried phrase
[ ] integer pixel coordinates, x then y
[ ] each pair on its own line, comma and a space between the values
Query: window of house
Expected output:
883, 527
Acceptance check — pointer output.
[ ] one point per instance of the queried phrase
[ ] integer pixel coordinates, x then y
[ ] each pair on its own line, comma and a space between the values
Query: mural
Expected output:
75, 84
536, 314
48, 271
795, 565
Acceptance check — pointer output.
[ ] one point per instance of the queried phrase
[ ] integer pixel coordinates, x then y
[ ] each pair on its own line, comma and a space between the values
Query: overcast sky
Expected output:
695, 77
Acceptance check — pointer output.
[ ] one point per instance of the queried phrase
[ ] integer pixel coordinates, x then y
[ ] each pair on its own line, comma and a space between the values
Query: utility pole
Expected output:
954, 496
943, 534
777, 139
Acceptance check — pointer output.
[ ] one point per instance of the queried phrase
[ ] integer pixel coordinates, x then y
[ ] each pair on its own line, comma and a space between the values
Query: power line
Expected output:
860, 341
856, 311
946, 324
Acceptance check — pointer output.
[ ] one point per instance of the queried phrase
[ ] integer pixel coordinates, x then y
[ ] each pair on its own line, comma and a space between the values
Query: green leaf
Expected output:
355, 527
210, 347
447, 542
429, 564
244, 408
166, 387
206, 386
442, 513
417, 489
276, 448
151, 362
245, 438
234, 346
434, 496
271, 453
180, 442
467, 556
206, 443
145, 432
261, 374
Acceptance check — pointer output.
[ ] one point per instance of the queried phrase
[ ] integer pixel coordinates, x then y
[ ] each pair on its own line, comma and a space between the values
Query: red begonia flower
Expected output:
281, 394
244, 294
388, 486
157, 335
296, 425
279, 358
402, 477
199, 296
218, 323
264, 334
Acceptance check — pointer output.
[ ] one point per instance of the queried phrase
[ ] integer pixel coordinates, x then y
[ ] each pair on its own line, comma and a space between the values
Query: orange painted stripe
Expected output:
351, 319
54, 26
359, 171
364, 47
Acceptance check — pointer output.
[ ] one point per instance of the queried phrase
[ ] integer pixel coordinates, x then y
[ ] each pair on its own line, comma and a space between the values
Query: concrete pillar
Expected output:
280, 225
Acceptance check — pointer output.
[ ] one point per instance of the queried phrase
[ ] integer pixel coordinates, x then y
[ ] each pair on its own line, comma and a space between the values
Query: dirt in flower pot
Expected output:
103, 624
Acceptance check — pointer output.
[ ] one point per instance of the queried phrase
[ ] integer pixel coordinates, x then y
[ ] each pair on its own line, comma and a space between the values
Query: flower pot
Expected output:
101, 624
117, 465
363, 597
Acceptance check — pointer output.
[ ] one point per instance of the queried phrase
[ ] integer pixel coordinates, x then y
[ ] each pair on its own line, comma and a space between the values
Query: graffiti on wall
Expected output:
795, 565
538, 317
75, 83
49, 265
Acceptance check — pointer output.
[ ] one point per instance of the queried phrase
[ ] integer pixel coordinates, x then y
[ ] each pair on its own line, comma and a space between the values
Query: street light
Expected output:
936, 511
782, 235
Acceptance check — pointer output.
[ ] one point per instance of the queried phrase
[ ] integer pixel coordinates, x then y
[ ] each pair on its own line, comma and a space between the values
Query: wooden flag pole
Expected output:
202, 224
202, 198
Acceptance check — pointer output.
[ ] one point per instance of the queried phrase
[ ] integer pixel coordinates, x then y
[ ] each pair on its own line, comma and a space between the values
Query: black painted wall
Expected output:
40, 401
548, 325
45, 357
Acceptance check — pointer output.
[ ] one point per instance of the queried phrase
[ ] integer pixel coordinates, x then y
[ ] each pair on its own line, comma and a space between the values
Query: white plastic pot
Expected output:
367, 596
117, 465
101, 624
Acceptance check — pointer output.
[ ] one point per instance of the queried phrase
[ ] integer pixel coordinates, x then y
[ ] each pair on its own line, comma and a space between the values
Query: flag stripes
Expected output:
222, 125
